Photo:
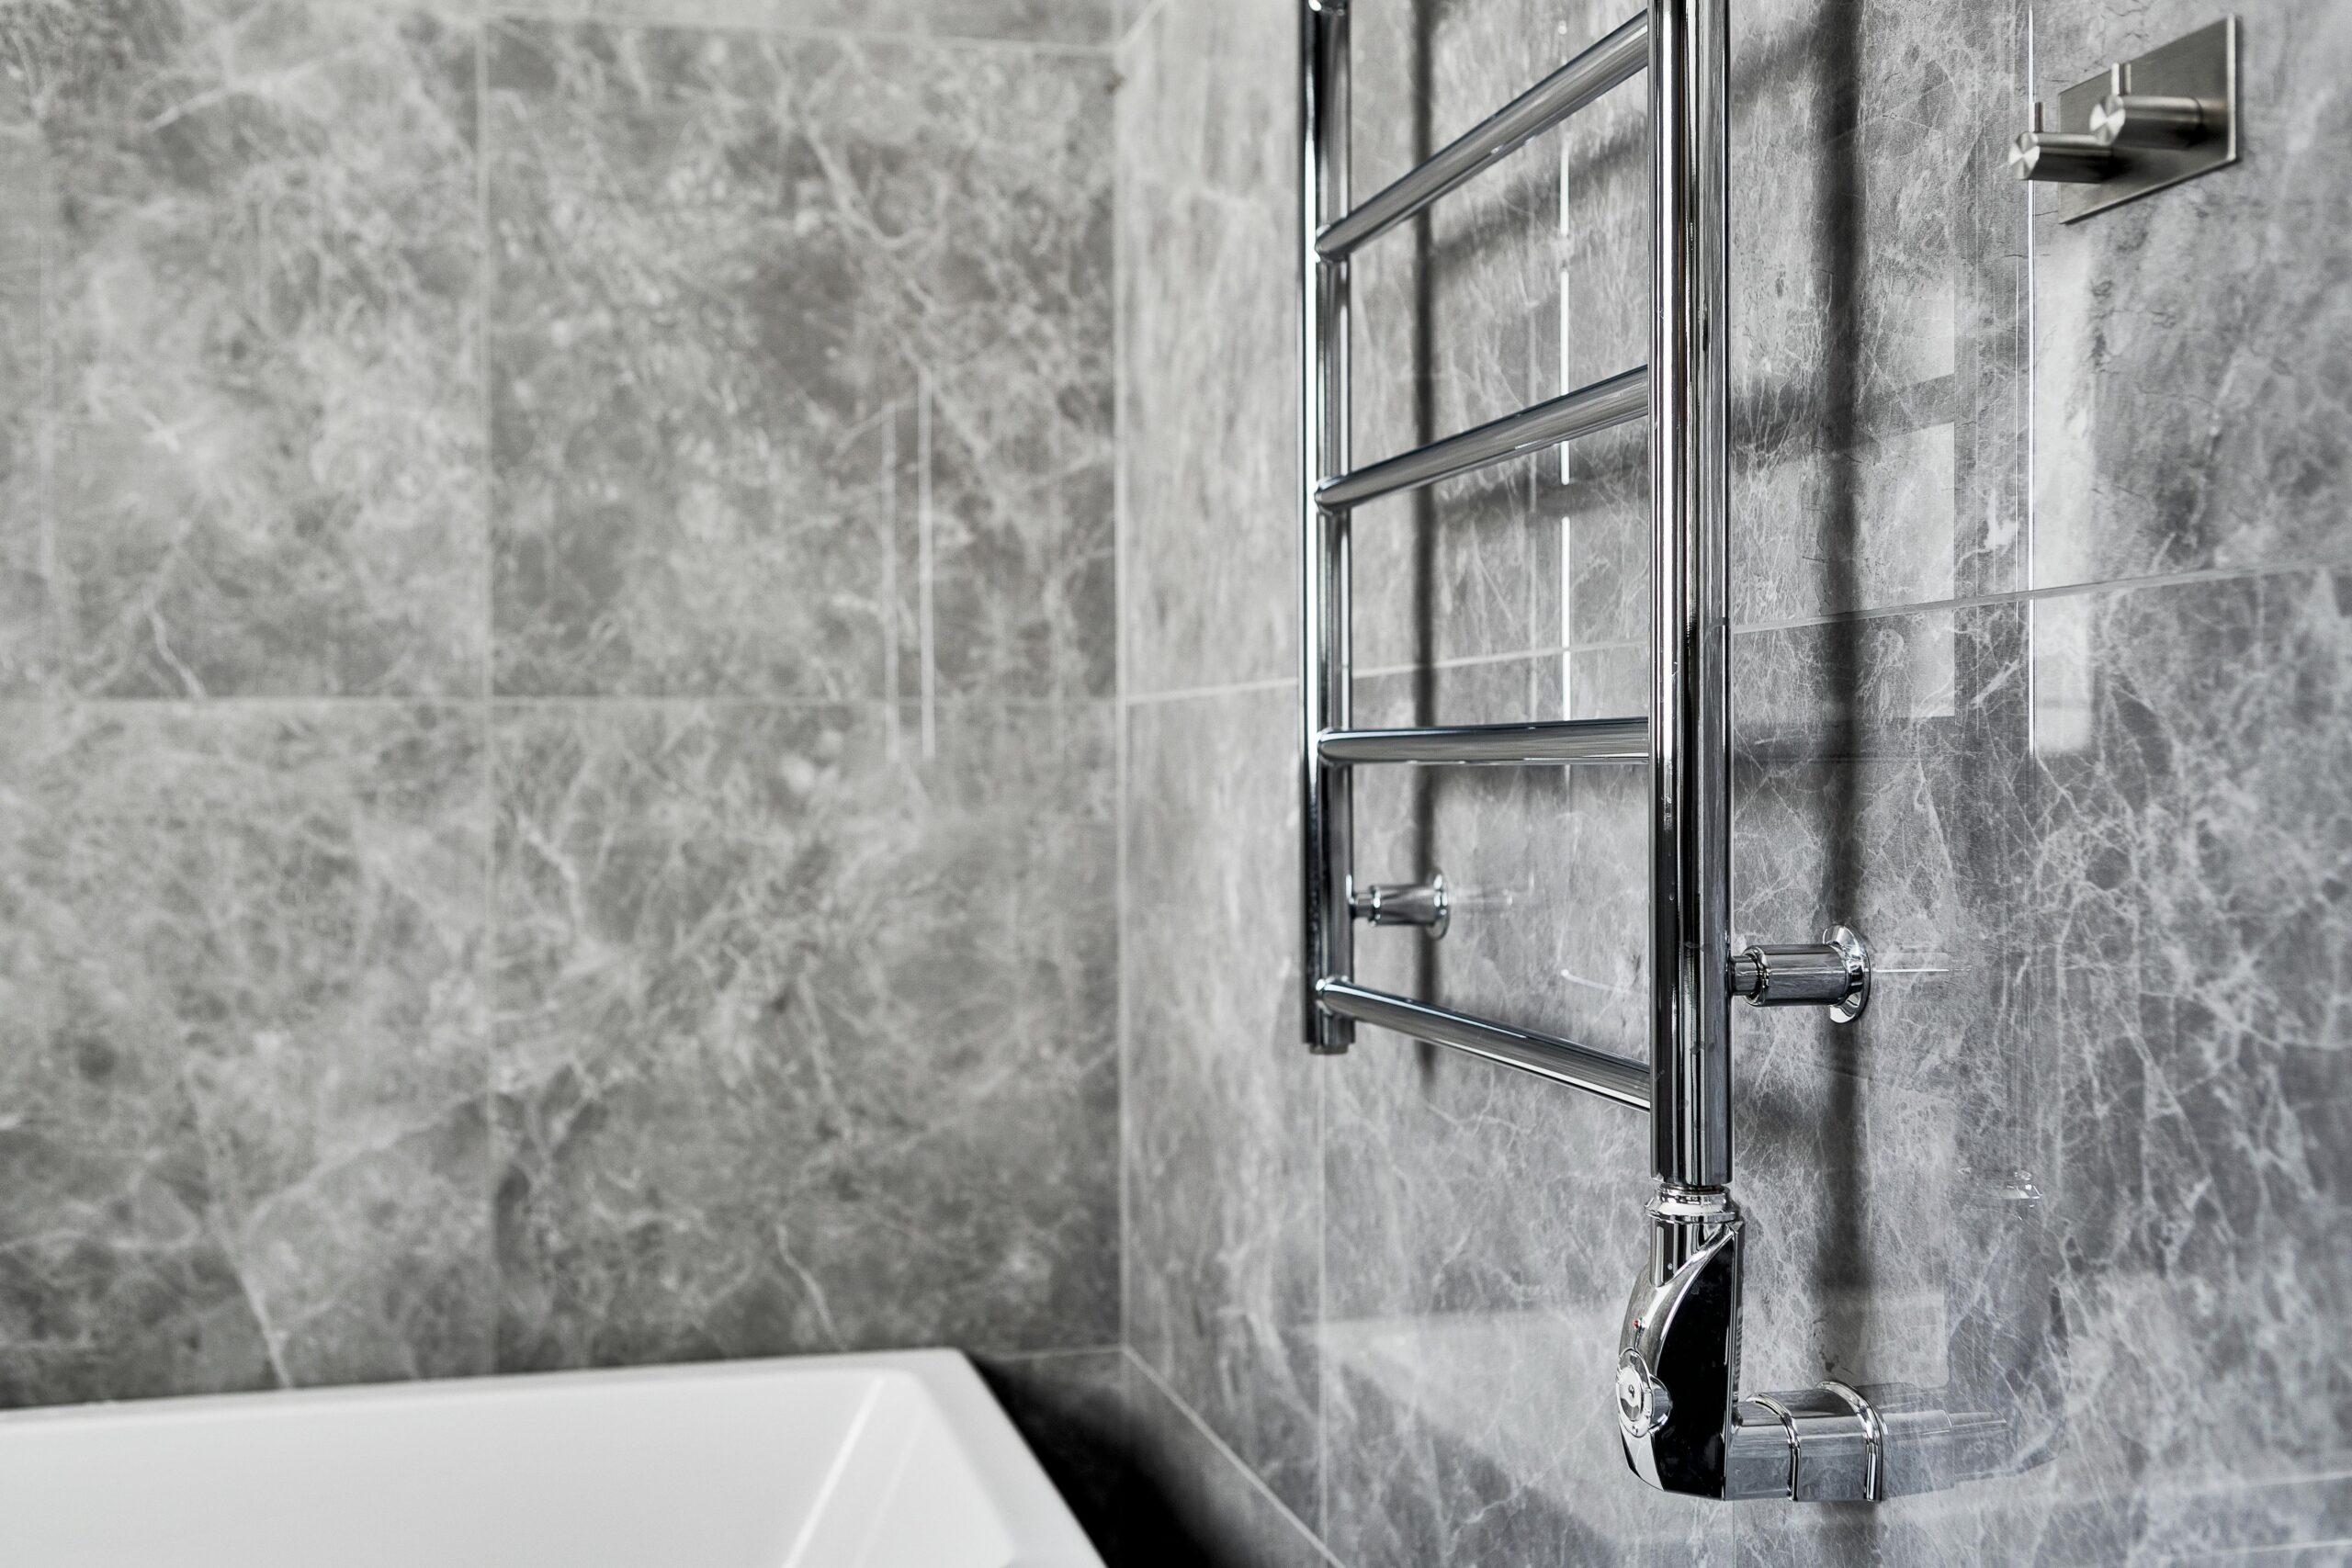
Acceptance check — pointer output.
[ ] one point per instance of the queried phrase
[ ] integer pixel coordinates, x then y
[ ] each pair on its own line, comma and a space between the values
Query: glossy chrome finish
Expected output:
1680, 1416
1678, 1349
1571, 88
1423, 904
1684, 1425
1834, 973
2141, 125
1680, 1420
1522, 745
1564, 418
1834, 1440
1690, 585
1325, 827
1561, 1061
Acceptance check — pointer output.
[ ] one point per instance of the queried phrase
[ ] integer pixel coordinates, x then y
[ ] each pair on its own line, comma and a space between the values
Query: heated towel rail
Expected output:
1684, 1426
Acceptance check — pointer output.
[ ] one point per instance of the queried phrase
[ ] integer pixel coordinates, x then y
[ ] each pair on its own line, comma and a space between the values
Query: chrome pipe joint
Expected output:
1684, 1425
1678, 1413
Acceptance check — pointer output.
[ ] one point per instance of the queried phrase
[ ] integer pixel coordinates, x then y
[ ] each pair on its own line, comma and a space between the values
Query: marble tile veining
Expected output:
244, 1140
721, 259
249, 460
2185, 419
1876, 307
1221, 1106
802, 1039
2189, 897
1207, 233
360, 1026
1063, 22
2079, 1165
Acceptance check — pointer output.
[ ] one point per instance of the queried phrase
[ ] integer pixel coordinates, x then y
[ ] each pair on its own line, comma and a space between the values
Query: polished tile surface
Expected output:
244, 1142
738, 978
1207, 223
2079, 1165
2187, 422
248, 457
802, 1041
1061, 22
1221, 1104
725, 265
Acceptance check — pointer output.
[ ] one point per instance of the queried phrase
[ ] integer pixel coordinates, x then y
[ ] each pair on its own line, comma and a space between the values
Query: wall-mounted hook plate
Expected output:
2139, 126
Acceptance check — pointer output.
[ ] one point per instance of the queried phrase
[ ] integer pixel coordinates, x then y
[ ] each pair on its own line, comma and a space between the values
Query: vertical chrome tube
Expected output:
1325, 819
1690, 676
1678, 1365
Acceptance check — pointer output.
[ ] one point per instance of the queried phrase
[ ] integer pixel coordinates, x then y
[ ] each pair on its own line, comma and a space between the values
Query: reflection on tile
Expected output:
2185, 415
258, 428
1221, 1094
1875, 302
803, 1044
1550, 941
1000, 579
1457, 322
721, 259
1481, 1226
242, 1051
1888, 1167
1468, 1434
1208, 313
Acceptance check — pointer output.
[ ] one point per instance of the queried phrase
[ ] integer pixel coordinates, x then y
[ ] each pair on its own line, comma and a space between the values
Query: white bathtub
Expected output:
834, 1462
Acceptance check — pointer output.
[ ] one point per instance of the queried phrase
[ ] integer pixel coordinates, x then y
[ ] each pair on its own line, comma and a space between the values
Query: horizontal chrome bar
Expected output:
1522, 745
1562, 1061
1623, 397
1614, 59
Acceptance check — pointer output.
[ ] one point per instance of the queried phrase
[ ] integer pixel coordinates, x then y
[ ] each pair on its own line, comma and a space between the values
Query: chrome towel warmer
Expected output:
1683, 1425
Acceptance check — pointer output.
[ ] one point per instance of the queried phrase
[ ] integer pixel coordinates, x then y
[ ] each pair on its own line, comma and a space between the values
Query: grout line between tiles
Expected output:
1256, 1481
487, 948
1322, 1300
1122, 1025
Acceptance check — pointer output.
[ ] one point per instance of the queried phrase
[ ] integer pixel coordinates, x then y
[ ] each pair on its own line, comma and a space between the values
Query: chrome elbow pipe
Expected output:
1680, 1416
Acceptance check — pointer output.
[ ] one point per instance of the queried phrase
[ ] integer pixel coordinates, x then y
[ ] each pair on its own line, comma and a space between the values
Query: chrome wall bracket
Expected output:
1834, 973
1423, 903
2139, 126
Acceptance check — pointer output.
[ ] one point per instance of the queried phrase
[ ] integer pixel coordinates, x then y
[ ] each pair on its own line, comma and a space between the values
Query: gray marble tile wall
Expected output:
2042, 667
557, 736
